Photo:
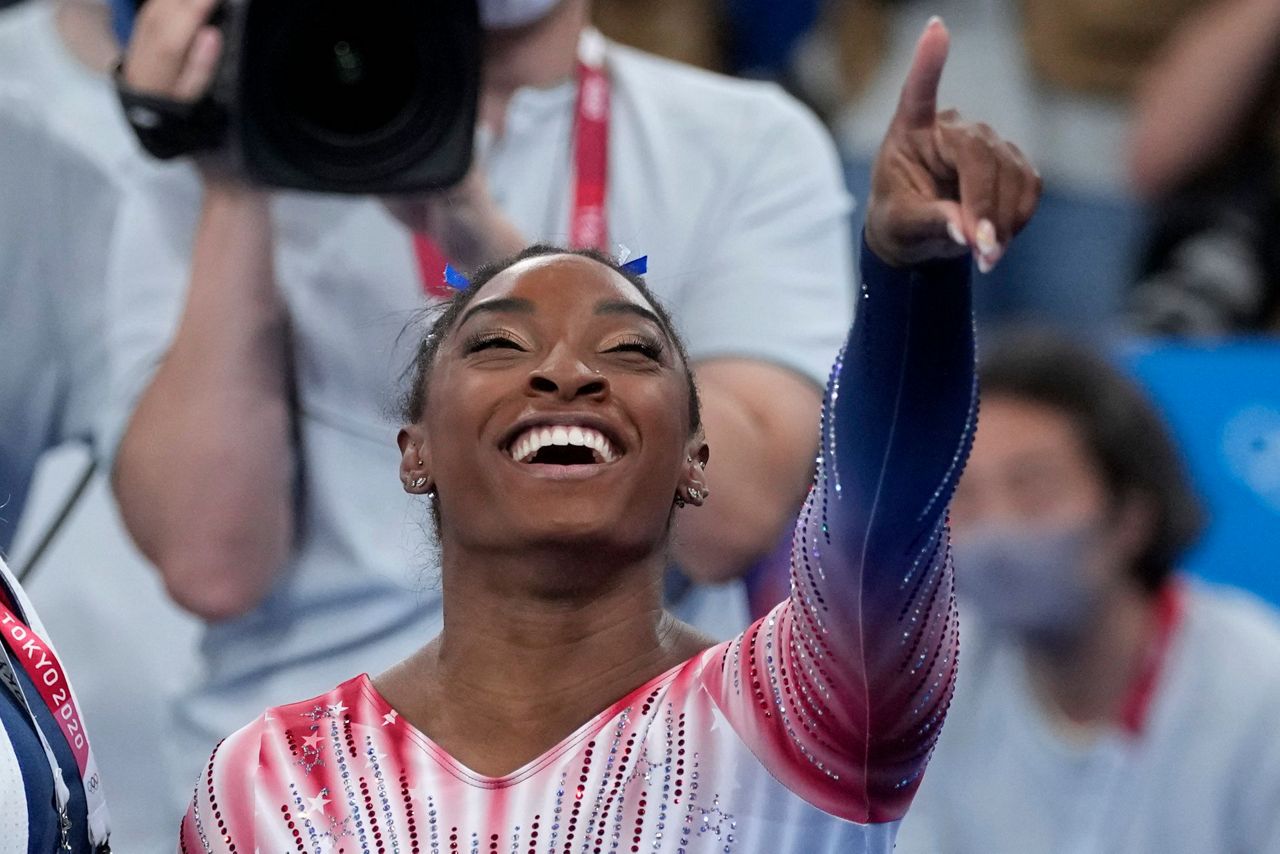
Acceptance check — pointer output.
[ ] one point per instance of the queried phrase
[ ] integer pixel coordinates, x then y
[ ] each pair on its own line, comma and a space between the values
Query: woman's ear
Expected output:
693, 478
415, 462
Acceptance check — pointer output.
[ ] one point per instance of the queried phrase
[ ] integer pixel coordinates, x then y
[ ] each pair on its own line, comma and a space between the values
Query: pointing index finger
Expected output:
918, 105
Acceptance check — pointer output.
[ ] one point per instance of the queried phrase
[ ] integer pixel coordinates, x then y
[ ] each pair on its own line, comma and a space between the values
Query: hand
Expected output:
173, 52
464, 220
942, 186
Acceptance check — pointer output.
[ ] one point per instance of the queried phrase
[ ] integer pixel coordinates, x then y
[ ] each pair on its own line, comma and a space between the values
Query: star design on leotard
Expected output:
643, 767
390, 717
310, 753
316, 805
336, 709
712, 820
338, 829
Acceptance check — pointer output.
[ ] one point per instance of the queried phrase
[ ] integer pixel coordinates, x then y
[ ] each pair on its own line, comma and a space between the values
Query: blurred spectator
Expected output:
64, 152
57, 209
258, 469
63, 141
59, 53
1105, 703
1206, 151
1056, 75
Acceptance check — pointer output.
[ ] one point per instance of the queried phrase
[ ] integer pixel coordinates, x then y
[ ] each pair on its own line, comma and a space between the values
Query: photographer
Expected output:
252, 470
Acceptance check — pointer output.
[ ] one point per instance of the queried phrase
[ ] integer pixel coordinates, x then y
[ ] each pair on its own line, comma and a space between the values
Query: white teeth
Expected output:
527, 444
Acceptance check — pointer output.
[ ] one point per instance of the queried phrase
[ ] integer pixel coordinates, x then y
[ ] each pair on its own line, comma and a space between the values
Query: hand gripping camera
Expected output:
349, 96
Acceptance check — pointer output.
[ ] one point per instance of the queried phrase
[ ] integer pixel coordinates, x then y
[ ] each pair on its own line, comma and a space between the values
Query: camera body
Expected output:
375, 96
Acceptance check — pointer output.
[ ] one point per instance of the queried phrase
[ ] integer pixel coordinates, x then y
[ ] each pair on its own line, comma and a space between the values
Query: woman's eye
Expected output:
490, 341
648, 349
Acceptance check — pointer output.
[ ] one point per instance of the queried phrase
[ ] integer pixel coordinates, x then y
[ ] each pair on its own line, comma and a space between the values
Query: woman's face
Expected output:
558, 415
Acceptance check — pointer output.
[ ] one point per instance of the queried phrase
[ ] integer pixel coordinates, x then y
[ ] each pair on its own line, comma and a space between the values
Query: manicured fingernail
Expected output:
987, 243
985, 264
956, 234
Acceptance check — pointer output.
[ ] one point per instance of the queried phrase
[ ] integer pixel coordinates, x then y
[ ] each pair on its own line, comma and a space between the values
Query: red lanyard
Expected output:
38, 661
588, 225
1137, 706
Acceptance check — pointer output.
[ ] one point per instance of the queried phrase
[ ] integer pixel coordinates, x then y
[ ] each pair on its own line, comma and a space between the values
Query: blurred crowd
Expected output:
184, 522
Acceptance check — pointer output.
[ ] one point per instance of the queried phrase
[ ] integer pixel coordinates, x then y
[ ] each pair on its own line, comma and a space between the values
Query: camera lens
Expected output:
348, 76
348, 93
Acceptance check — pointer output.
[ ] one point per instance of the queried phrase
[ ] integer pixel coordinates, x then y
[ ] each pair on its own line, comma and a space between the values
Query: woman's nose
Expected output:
565, 376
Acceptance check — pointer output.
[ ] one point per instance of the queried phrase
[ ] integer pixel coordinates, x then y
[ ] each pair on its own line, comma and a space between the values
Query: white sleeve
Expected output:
147, 277
777, 280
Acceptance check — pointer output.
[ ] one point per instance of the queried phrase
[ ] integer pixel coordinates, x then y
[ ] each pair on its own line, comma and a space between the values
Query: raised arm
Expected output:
204, 472
842, 689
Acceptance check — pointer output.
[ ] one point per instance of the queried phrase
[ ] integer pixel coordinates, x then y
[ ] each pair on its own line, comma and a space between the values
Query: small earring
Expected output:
695, 493
680, 502
419, 482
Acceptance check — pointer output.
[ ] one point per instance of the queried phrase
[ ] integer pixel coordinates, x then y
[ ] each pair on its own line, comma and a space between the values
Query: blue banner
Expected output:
1223, 403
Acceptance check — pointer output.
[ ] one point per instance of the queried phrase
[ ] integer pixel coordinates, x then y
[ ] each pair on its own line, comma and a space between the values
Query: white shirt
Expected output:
731, 188
63, 141
56, 215
1203, 776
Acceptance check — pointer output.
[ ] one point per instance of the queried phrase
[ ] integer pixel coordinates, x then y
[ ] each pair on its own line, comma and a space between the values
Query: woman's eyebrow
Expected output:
498, 305
623, 307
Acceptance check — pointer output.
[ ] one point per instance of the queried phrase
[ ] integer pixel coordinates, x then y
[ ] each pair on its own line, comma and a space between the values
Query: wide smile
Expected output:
569, 449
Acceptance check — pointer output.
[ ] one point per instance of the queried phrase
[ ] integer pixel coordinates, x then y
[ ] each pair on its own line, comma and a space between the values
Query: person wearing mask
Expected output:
51, 792
294, 551
1106, 703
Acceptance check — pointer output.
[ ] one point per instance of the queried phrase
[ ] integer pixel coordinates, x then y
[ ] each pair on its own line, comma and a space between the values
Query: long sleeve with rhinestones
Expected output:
849, 679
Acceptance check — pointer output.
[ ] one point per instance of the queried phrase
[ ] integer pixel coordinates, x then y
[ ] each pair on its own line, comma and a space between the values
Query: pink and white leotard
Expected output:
807, 733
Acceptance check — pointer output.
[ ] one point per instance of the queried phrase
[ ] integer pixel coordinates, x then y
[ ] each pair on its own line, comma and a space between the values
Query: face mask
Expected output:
507, 14
1028, 583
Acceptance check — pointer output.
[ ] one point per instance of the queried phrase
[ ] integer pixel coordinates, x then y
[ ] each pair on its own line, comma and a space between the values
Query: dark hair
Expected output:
1121, 429
415, 398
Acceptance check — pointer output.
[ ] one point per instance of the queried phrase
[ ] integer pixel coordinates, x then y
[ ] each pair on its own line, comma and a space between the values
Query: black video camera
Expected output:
350, 96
